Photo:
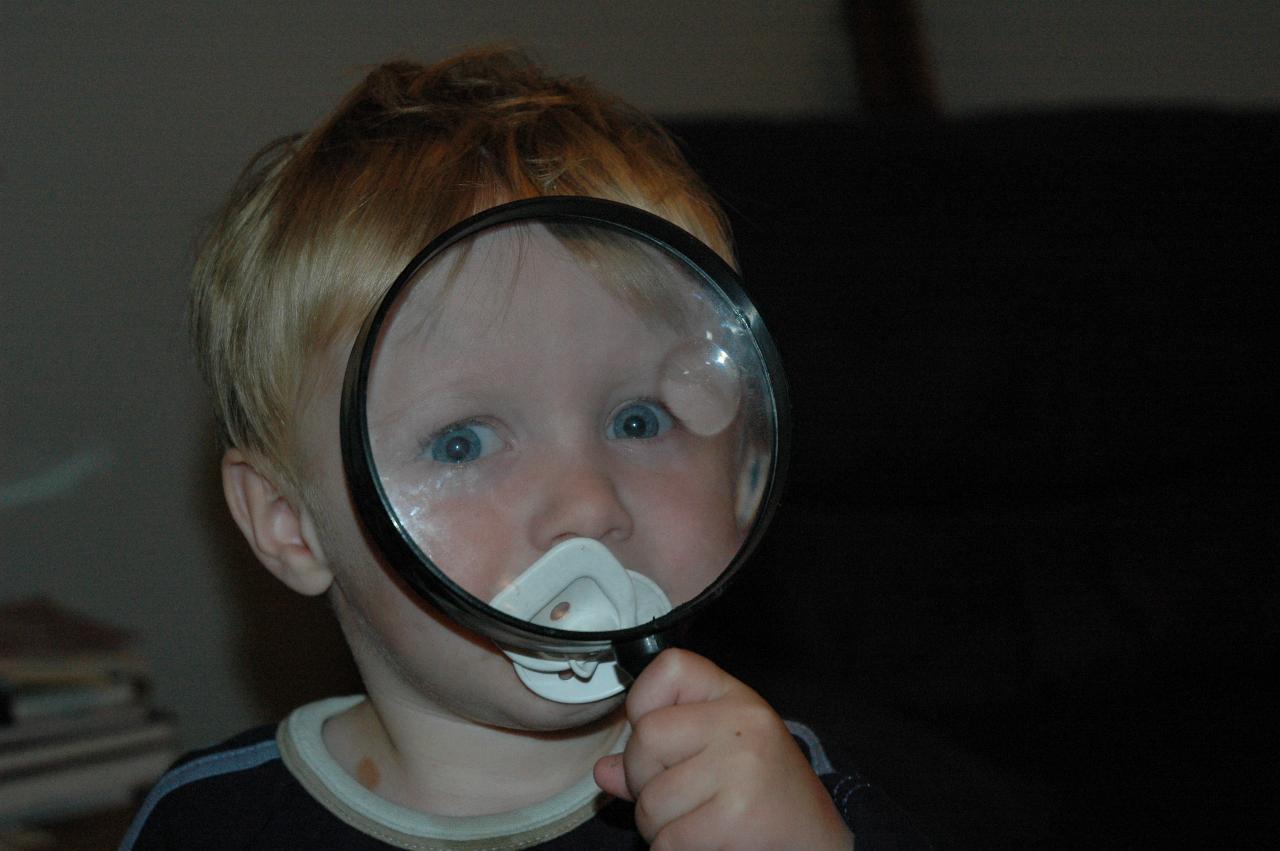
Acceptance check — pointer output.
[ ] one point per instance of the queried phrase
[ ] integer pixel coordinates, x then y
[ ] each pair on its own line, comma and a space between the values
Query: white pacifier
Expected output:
578, 585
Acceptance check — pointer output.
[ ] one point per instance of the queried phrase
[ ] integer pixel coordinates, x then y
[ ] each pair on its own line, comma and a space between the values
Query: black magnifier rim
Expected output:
376, 511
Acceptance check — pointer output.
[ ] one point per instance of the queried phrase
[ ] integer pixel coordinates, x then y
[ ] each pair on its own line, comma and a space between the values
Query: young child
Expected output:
448, 749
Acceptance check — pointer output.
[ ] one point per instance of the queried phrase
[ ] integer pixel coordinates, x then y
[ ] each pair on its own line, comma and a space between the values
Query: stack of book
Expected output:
77, 729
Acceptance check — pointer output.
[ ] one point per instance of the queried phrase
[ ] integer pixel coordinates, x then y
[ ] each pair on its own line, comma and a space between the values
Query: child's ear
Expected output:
280, 533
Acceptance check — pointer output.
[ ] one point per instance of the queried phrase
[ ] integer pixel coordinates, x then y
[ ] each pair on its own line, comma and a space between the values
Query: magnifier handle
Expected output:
634, 656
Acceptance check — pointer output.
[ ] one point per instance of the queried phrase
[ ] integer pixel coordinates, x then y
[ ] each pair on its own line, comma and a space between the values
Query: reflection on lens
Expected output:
701, 386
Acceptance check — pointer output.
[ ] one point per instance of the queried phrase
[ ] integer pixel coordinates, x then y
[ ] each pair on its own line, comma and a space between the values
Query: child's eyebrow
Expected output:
429, 400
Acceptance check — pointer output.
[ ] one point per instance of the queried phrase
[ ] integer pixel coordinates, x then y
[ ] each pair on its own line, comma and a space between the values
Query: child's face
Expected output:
526, 406
520, 409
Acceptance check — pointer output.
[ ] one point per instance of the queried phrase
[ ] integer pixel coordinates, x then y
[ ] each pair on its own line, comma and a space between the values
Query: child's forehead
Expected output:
556, 313
517, 283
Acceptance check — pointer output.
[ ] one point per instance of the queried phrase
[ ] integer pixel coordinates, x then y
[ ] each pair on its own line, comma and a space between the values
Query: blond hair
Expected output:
319, 224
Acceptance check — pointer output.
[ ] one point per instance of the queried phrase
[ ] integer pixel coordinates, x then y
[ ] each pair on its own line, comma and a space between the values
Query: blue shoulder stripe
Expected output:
212, 765
817, 756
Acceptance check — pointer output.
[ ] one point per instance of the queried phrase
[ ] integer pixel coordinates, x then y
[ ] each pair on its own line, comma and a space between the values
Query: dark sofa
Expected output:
1025, 572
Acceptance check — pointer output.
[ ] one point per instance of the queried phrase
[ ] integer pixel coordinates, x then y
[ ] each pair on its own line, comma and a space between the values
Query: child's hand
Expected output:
711, 765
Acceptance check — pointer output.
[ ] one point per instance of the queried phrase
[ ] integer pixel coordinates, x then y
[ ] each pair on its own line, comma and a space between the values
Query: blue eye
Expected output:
639, 421
463, 443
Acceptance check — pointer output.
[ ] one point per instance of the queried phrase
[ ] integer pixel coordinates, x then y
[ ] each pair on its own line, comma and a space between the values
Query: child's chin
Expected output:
546, 716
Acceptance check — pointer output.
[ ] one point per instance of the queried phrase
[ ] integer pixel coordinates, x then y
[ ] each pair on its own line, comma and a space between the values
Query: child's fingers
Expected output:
663, 738
673, 794
667, 737
703, 827
676, 677
611, 777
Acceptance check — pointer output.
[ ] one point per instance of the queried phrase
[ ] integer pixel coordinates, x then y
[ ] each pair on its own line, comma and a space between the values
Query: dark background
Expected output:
1024, 574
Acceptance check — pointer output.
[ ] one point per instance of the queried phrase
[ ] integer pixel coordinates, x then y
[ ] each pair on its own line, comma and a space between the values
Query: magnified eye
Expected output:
639, 421
463, 443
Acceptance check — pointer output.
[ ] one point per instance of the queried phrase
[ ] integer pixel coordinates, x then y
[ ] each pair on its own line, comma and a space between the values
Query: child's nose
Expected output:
579, 501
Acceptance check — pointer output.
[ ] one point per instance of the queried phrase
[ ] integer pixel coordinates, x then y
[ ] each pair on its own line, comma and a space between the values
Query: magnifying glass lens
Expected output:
571, 423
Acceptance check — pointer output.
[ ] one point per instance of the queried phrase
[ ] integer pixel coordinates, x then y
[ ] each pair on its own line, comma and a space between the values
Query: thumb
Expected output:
611, 777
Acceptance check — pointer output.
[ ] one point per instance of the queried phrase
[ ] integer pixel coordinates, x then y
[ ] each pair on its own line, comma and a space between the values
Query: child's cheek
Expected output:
470, 543
688, 523
459, 525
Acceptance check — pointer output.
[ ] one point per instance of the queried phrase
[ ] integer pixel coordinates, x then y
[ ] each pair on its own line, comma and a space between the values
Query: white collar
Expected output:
305, 755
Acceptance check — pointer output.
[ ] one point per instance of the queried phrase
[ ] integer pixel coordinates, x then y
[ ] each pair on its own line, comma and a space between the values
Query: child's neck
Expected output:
433, 762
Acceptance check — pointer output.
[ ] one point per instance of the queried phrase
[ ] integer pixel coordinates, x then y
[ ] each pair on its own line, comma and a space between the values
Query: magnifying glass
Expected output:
565, 426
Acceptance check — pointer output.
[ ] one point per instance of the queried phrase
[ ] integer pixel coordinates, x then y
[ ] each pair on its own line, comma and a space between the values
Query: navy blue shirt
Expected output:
241, 795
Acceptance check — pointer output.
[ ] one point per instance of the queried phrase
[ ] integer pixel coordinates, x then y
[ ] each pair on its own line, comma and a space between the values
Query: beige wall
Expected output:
993, 54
